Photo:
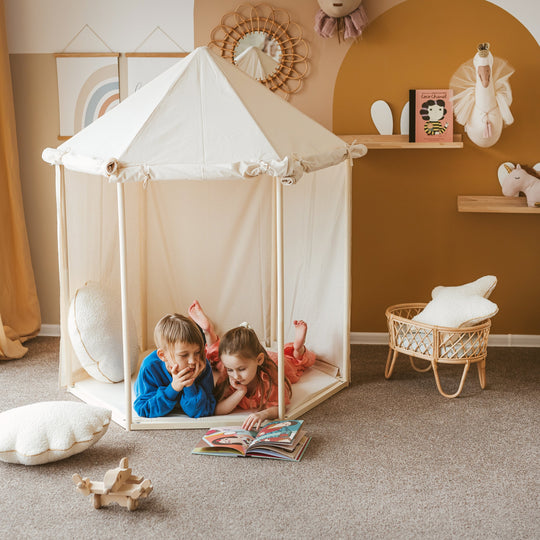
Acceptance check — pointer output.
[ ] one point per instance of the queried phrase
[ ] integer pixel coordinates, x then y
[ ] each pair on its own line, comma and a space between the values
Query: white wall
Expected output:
48, 26
527, 12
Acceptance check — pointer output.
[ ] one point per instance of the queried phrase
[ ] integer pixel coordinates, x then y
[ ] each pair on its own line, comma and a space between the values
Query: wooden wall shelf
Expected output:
495, 204
379, 142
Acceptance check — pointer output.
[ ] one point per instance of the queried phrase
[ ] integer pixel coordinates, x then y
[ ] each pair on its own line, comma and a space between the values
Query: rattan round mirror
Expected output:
264, 43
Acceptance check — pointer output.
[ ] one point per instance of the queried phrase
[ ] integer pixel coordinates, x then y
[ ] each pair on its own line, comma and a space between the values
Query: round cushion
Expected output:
50, 430
95, 330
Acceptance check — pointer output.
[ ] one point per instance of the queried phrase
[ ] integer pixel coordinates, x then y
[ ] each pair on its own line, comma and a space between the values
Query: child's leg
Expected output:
199, 316
299, 338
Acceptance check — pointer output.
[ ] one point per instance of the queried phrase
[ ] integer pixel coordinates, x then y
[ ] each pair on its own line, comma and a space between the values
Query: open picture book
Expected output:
280, 439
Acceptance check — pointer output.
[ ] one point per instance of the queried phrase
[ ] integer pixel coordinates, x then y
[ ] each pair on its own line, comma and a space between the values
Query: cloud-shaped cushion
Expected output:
460, 306
95, 330
50, 430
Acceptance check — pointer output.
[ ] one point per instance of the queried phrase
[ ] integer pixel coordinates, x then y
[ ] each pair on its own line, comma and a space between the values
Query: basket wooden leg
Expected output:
390, 361
420, 370
481, 366
438, 382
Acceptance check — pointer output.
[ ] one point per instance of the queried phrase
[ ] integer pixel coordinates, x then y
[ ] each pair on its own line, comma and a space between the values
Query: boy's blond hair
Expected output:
175, 328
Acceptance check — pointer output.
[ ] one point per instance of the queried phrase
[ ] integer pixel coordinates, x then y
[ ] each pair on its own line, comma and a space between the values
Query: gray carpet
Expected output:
389, 459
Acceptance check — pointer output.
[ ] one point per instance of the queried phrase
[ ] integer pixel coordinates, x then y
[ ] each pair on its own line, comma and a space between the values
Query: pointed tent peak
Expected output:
203, 118
290, 131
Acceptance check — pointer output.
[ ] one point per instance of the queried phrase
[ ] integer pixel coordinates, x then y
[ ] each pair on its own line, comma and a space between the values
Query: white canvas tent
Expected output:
199, 159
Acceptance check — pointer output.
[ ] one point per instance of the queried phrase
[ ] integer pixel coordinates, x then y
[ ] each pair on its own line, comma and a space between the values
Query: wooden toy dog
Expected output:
118, 485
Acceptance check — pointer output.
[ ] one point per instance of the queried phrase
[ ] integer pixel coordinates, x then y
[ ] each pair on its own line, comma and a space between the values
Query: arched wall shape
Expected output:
407, 234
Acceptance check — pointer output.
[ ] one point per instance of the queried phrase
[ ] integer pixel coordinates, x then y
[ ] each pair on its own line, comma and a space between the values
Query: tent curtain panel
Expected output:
19, 307
212, 241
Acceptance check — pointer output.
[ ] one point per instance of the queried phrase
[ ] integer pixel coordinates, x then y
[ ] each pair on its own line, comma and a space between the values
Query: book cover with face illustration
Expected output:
432, 117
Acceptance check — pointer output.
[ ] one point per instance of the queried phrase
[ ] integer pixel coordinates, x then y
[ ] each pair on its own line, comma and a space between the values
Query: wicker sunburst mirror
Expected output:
264, 43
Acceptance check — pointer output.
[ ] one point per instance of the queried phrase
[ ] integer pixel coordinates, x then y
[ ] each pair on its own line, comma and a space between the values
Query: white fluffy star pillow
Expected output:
462, 306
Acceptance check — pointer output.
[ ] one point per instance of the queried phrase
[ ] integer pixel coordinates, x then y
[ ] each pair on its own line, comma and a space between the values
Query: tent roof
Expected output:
202, 119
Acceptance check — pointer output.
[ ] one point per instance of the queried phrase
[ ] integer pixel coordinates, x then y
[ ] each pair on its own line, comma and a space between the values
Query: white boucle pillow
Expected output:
95, 330
50, 430
461, 306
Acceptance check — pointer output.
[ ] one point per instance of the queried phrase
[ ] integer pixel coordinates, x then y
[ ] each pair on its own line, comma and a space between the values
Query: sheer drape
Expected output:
19, 307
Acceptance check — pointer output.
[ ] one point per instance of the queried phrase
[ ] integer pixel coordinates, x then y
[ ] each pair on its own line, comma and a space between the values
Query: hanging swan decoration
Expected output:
482, 96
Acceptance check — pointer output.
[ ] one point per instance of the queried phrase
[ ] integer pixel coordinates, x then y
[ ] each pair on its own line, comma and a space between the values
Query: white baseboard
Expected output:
50, 330
381, 338
494, 340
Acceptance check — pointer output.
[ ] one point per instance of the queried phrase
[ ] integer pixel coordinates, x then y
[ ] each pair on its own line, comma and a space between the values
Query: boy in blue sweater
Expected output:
177, 374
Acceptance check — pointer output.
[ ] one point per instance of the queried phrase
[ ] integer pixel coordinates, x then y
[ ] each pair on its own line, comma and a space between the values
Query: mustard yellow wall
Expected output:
407, 233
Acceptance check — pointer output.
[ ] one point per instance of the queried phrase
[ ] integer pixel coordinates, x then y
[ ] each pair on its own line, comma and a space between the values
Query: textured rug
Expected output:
388, 459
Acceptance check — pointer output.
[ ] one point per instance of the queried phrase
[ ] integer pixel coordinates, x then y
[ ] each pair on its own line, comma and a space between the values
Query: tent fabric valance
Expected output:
202, 120
290, 170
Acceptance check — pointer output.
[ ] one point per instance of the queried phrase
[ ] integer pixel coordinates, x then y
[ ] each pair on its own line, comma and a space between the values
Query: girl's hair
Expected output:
175, 328
424, 111
244, 343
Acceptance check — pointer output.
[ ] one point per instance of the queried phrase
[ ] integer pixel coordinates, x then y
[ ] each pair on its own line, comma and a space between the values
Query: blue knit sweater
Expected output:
156, 397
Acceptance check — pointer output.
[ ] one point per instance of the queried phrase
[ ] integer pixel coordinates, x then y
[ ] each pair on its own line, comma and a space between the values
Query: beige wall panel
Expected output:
36, 109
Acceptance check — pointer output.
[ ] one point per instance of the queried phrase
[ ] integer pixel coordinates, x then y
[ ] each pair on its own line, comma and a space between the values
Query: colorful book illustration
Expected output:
280, 439
431, 116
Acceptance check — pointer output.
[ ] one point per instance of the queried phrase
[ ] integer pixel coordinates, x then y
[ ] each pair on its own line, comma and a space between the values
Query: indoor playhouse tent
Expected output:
205, 185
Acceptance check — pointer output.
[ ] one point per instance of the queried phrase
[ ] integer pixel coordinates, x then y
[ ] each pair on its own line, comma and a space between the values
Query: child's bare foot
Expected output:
299, 338
199, 316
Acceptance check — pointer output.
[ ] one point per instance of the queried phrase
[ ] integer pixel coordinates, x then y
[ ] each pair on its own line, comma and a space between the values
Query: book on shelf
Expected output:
280, 439
431, 117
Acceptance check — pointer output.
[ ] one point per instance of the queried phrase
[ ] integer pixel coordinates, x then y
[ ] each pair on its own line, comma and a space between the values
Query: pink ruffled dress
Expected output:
294, 368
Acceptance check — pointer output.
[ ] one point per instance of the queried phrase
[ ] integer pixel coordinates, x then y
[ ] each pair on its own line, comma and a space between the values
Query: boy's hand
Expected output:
183, 378
199, 368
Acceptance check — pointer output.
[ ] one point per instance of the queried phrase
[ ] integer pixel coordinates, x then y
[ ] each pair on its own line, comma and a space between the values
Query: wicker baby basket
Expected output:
436, 344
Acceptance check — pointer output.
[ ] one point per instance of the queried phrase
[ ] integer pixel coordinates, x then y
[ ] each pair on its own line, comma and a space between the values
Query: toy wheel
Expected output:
131, 504
97, 500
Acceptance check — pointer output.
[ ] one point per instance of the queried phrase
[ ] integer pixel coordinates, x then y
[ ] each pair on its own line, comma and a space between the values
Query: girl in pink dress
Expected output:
246, 374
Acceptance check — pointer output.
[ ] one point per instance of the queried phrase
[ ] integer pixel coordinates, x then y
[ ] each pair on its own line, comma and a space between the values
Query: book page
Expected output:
279, 432
230, 437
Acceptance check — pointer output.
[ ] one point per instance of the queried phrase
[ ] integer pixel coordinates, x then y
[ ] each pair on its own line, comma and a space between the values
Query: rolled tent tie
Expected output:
52, 156
356, 150
108, 167
289, 170
111, 167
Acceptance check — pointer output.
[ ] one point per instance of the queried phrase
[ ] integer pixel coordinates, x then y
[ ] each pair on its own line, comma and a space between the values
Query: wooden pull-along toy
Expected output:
119, 486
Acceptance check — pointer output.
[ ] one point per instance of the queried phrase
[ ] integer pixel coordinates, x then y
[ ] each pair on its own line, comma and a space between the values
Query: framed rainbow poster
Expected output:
88, 87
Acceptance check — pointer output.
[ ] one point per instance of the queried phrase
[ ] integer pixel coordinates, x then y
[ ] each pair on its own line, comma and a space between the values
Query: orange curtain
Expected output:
19, 308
